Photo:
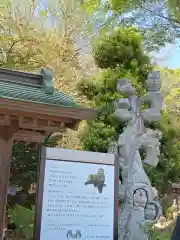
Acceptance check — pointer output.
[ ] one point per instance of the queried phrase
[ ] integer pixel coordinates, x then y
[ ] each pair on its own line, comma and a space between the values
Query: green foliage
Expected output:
157, 235
24, 165
24, 220
124, 5
24, 170
157, 21
120, 55
98, 135
171, 89
169, 213
168, 168
110, 50
23, 173
90, 5
165, 203
116, 63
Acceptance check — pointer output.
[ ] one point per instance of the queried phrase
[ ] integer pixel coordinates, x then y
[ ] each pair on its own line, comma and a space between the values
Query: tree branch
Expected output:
161, 16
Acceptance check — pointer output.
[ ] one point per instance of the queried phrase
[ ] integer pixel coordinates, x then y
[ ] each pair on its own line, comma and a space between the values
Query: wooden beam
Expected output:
52, 111
6, 142
14, 115
6, 132
40, 125
5, 164
28, 136
4, 120
35, 124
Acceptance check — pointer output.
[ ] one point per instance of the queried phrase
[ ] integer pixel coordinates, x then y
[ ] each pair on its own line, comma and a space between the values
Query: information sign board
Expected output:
77, 196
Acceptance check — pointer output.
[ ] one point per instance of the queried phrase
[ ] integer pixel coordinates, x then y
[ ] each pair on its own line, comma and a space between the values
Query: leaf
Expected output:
90, 5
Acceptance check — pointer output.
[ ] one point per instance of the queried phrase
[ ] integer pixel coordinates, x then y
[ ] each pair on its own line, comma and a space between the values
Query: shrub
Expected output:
24, 220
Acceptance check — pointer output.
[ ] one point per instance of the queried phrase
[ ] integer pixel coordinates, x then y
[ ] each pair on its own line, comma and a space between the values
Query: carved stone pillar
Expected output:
138, 208
5, 164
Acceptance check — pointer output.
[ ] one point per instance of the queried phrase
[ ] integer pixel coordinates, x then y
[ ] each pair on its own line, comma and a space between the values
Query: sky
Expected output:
169, 56
174, 60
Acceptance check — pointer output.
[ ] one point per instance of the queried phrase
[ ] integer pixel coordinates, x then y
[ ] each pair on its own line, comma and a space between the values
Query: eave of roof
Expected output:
36, 95
17, 89
32, 87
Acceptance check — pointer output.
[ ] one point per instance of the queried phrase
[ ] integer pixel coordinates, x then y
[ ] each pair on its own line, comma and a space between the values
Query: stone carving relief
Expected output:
139, 207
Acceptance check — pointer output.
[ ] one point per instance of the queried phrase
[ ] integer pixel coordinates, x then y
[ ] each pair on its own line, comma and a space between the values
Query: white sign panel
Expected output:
78, 195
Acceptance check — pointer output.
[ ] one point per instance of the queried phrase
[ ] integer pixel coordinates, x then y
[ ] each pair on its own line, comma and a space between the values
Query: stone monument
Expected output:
139, 208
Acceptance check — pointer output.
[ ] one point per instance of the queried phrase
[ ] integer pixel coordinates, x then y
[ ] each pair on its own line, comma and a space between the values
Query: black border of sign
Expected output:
39, 197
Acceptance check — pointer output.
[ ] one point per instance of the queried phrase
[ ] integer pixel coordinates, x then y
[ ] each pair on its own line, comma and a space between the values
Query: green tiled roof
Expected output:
32, 87
18, 92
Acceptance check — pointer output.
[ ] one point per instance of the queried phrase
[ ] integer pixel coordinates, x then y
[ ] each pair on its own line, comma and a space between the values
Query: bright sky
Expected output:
169, 56
173, 60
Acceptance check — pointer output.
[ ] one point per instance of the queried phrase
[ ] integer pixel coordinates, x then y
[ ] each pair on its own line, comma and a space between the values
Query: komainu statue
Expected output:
139, 209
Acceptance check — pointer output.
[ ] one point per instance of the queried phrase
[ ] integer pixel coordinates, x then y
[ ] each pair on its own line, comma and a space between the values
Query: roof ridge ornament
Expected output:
47, 80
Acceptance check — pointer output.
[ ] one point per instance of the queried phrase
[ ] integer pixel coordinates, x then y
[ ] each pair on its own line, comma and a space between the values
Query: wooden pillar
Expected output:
5, 164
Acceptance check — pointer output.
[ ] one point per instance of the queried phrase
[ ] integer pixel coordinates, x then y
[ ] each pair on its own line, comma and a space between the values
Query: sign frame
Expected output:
40, 189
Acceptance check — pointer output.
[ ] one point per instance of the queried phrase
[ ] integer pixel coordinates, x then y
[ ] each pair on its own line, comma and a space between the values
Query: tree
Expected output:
24, 170
157, 21
172, 91
23, 173
33, 35
120, 55
168, 169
